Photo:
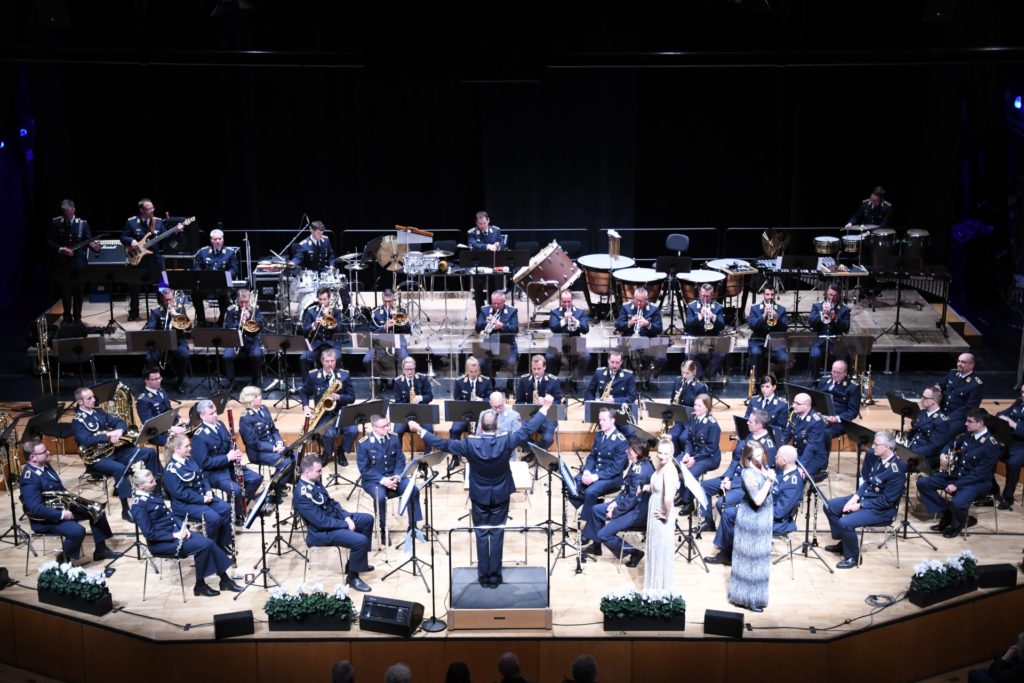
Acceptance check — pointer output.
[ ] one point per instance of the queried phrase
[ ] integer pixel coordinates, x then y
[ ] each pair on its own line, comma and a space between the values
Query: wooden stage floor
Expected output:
811, 604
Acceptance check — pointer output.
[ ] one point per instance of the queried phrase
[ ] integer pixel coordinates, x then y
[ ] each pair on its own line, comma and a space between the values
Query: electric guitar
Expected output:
134, 255
63, 258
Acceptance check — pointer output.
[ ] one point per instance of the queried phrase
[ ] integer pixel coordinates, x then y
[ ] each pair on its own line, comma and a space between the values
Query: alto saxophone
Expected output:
327, 404
606, 395
412, 389
679, 394
751, 384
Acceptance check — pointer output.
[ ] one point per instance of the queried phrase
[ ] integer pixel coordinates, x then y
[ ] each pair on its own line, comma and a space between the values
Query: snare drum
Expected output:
880, 244
550, 272
851, 243
413, 263
430, 263
628, 279
915, 243
691, 282
332, 278
597, 269
826, 245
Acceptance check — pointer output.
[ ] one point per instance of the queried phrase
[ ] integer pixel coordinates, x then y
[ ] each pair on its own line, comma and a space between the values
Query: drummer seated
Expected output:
503, 322
568, 321
382, 321
705, 317
829, 319
319, 330
642, 318
761, 331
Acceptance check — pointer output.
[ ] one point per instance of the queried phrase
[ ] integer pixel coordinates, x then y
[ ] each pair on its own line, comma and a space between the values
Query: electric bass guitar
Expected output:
63, 258
133, 255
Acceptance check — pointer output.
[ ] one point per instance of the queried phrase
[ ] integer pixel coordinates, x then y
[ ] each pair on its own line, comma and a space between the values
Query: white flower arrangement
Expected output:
932, 575
663, 604
302, 600
71, 580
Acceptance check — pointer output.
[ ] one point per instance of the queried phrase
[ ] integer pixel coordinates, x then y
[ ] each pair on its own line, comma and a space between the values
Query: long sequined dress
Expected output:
752, 545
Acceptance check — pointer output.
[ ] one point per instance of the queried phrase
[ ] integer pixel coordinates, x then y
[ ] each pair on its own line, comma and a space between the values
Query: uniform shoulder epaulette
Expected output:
817, 416
363, 438
233, 307
464, 378
942, 416
526, 375
617, 436
416, 375
977, 380
602, 369
626, 371
474, 436
548, 376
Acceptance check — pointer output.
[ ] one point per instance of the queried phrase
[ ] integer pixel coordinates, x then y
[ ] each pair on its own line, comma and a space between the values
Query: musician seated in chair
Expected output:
220, 459
602, 472
930, 431
642, 318
685, 392
503, 321
965, 473
533, 386
806, 431
506, 419
154, 401
767, 319
37, 482
628, 510
728, 486
190, 493
702, 453
341, 394
787, 491
329, 524
962, 390
569, 321
216, 258
412, 388
320, 323
171, 315
1013, 416
381, 463
157, 524
705, 317
613, 384
248, 320
876, 501
472, 386
263, 442
829, 319
775, 406
97, 432
383, 320
845, 399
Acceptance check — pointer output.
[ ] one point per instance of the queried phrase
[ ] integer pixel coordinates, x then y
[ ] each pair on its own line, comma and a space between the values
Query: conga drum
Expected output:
880, 243
916, 242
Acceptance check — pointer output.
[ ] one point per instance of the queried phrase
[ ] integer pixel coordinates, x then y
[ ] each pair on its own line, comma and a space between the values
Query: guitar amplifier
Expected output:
111, 252
394, 617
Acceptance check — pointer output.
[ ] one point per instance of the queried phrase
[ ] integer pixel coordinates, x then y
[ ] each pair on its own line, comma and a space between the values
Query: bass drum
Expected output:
305, 301
550, 272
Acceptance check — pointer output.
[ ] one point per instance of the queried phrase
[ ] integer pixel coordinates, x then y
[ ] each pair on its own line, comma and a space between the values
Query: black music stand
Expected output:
104, 391
281, 345
433, 624
551, 463
820, 400
671, 265
275, 481
389, 343
709, 347
491, 349
642, 352
773, 342
427, 461
355, 415
198, 282
905, 408
464, 411
688, 538
156, 426
900, 267
810, 545
264, 571
110, 274
216, 338
35, 426
571, 347
78, 348
151, 341
863, 438
668, 412
423, 413
743, 427
913, 463
794, 263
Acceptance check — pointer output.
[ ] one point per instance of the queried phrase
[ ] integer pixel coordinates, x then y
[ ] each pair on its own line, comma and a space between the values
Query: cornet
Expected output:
771, 315
569, 321
826, 312
708, 314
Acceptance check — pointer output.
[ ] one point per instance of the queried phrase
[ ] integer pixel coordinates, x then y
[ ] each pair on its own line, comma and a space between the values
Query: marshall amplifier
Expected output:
394, 617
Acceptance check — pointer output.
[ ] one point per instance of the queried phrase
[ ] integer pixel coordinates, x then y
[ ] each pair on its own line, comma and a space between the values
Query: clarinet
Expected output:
181, 541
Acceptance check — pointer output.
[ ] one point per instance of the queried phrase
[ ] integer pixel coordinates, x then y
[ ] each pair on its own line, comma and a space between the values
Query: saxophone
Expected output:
606, 395
412, 389
867, 388
679, 394
326, 404
751, 384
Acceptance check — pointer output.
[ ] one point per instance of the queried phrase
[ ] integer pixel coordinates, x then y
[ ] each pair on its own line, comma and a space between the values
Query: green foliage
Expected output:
70, 580
630, 604
932, 575
285, 605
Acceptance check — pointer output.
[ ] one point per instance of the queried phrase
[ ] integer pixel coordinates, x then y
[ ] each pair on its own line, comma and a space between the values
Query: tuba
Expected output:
326, 404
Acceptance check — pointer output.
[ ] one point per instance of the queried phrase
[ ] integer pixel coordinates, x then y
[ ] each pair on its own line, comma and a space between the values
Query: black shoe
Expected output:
230, 585
587, 542
239, 520
342, 460
720, 558
944, 523
126, 515
847, 563
132, 317
61, 558
707, 525
985, 502
836, 548
820, 476
484, 583
203, 591
1005, 504
971, 521
354, 581
634, 558
105, 554
497, 581
685, 509
951, 532
594, 549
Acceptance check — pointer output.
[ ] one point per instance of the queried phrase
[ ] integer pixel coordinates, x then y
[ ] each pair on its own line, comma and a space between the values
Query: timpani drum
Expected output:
597, 270
692, 281
915, 243
851, 243
826, 245
733, 281
880, 244
629, 279
550, 272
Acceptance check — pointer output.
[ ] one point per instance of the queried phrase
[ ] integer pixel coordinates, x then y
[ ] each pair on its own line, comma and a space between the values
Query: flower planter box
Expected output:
97, 608
314, 622
676, 623
941, 595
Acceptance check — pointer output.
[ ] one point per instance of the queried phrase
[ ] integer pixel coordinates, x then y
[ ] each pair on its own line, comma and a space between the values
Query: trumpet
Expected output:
709, 316
771, 315
639, 318
569, 321
491, 321
826, 313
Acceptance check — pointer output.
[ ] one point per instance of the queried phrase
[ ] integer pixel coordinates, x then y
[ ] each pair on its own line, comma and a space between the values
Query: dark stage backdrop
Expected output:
256, 147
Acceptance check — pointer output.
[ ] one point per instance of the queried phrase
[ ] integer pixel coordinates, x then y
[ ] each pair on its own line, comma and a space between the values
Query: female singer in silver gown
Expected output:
659, 567
752, 543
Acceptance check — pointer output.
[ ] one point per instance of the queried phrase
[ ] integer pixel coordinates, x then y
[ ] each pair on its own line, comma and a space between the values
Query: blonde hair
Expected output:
173, 441
660, 461
140, 477
248, 395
